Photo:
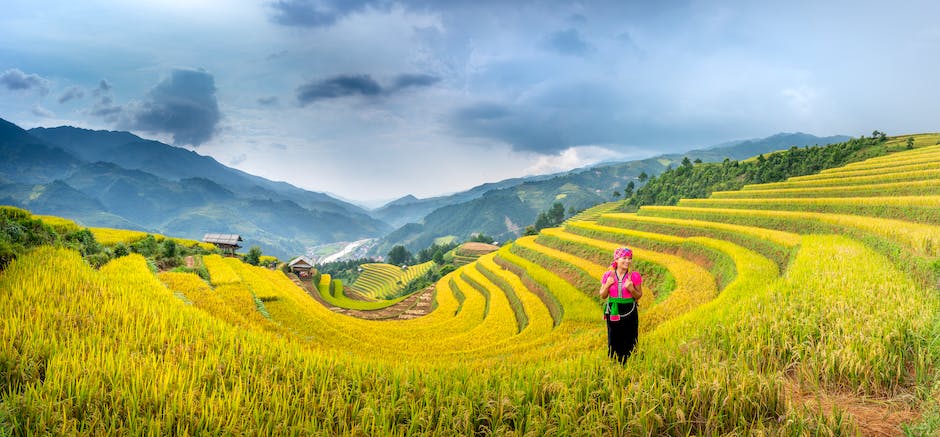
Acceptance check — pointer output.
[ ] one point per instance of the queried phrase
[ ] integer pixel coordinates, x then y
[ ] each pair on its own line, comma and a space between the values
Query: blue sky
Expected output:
378, 99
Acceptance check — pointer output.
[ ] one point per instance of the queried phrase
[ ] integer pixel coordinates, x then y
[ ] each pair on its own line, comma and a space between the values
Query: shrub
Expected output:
97, 260
254, 256
120, 250
146, 246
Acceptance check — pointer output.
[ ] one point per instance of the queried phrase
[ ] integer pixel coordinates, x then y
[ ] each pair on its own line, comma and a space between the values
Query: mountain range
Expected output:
117, 179
502, 210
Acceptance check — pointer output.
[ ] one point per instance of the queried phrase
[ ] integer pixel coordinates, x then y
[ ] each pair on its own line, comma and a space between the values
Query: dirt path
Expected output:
414, 306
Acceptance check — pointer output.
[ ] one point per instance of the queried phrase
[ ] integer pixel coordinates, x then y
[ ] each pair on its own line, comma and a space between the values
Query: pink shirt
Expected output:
613, 292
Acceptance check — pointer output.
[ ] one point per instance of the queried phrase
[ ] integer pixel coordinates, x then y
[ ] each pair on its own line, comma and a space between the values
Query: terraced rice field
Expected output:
380, 280
795, 313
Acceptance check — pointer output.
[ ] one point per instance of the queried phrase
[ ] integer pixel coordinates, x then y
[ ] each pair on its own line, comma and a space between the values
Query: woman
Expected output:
621, 288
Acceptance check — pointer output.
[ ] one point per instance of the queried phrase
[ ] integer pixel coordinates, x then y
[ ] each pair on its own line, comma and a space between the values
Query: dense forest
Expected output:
698, 180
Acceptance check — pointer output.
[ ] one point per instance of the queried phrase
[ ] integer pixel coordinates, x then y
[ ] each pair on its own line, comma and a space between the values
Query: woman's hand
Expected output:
636, 278
610, 281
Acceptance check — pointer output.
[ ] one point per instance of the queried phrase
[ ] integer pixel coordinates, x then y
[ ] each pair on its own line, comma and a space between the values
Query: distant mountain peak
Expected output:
404, 200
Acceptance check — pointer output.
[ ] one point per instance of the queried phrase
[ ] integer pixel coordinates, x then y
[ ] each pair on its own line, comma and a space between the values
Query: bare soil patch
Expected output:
474, 248
873, 416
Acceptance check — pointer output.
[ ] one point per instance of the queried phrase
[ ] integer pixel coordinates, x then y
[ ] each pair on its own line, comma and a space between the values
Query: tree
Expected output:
616, 194
557, 213
169, 249
399, 255
628, 191
481, 238
686, 162
552, 217
254, 256
643, 177
146, 246
910, 142
429, 253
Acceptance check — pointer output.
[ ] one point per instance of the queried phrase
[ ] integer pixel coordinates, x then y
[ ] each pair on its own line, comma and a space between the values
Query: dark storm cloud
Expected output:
311, 13
568, 42
522, 130
572, 115
16, 80
559, 117
71, 94
339, 86
105, 108
183, 105
103, 88
415, 80
359, 85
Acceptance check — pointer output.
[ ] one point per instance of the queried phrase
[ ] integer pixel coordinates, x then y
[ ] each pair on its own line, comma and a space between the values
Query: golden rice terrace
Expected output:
803, 307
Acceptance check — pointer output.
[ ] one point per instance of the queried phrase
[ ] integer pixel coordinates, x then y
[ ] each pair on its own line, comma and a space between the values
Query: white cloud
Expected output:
573, 157
39, 111
801, 100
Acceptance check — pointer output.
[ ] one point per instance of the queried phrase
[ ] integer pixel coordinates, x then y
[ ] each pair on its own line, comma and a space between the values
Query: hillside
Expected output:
689, 180
29, 159
504, 210
116, 179
410, 209
761, 316
174, 163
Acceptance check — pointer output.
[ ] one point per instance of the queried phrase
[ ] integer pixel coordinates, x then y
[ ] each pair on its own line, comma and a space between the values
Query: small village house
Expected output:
227, 242
301, 266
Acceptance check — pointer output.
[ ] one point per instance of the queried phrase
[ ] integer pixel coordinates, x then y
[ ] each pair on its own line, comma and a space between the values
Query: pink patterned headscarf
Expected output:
623, 252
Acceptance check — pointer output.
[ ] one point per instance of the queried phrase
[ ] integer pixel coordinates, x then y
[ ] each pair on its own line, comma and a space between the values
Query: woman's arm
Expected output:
605, 287
636, 290
636, 282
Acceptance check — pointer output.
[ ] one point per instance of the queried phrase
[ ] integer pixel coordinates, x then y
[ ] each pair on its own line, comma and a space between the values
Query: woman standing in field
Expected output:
621, 287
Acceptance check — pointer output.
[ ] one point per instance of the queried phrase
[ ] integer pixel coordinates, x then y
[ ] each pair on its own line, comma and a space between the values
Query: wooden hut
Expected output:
227, 242
301, 266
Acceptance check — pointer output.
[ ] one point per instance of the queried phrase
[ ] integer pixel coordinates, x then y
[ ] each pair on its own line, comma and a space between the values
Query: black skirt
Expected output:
622, 334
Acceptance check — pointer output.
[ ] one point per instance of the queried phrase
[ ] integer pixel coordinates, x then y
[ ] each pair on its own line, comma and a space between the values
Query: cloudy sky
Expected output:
378, 99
